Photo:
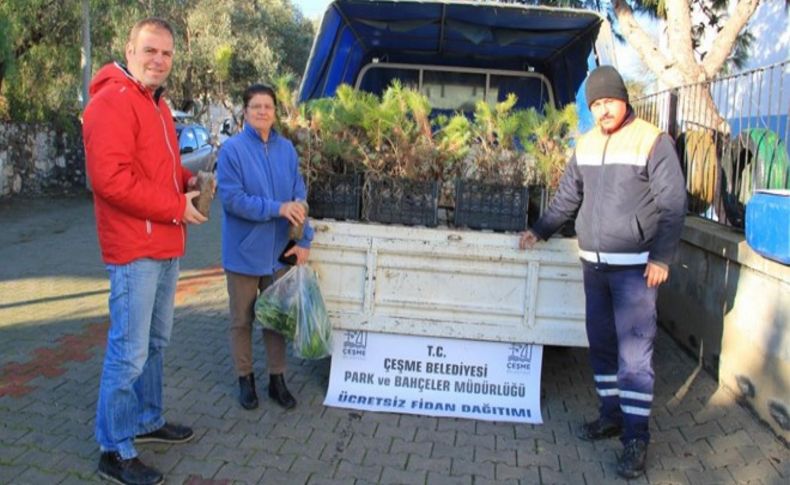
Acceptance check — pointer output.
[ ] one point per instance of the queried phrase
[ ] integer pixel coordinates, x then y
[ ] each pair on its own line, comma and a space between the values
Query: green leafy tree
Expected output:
6, 62
39, 58
222, 46
258, 40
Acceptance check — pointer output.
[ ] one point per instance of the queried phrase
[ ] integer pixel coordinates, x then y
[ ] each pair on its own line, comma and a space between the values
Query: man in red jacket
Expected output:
142, 208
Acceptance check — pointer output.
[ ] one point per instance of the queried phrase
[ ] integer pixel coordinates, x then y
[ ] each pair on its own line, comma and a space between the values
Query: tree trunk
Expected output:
696, 107
697, 110
85, 57
226, 102
186, 93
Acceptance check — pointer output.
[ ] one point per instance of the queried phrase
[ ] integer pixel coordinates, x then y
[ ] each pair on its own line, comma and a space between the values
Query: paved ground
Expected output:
53, 322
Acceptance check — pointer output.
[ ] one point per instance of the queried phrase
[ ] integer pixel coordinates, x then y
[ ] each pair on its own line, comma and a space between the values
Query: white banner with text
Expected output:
435, 376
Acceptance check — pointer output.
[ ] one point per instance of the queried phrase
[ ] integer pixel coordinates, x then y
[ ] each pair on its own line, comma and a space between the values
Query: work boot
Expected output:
128, 472
279, 392
247, 396
600, 429
632, 462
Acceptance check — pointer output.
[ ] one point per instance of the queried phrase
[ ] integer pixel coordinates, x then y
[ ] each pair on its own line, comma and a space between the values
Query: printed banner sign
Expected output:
435, 376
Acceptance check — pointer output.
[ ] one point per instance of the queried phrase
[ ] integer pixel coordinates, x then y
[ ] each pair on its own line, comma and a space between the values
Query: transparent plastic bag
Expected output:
275, 308
313, 337
293, 306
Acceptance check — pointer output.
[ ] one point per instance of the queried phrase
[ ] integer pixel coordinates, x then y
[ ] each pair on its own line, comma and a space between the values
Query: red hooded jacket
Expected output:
135, 169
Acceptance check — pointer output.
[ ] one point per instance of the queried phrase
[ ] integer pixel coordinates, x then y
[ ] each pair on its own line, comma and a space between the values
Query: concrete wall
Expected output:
39, 159
735, 304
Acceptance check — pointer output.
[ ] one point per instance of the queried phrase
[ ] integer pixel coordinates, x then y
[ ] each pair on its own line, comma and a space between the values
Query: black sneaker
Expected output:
128, 472
169, 433
600, 429
632, 462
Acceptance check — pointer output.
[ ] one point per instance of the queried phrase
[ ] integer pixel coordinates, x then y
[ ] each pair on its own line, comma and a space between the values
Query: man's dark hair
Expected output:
251, 91
153, 23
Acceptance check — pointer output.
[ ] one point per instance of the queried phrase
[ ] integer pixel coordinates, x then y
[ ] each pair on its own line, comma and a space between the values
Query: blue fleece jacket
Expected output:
254, 178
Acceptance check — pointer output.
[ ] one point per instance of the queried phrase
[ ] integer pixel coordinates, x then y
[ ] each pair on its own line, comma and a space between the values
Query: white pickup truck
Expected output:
441, 281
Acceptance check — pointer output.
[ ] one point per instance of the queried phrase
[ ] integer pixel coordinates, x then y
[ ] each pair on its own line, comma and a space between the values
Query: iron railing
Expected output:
732, 135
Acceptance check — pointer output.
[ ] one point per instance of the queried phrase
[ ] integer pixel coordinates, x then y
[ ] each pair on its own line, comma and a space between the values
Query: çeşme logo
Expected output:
520, 358
355, 343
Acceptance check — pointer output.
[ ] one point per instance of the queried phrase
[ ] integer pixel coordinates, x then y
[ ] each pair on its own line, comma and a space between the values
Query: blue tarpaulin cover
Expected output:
559, 43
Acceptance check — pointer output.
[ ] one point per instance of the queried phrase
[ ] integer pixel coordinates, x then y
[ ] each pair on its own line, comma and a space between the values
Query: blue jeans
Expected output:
142, 297
621, 327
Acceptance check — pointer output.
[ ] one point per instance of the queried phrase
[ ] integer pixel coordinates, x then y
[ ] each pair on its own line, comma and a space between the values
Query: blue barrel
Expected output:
768, 224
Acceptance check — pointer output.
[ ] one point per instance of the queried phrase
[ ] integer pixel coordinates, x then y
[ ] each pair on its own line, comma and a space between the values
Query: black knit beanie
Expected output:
605, 82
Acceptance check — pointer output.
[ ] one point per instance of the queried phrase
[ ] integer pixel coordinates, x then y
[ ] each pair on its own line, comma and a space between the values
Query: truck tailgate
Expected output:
449, 283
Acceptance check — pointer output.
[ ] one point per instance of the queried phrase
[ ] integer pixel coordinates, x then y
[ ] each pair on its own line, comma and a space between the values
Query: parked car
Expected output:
196, 147
181, 116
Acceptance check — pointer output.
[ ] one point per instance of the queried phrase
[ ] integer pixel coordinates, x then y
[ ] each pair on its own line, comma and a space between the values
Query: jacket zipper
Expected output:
148, 229
173, 158
598, 199
268, 168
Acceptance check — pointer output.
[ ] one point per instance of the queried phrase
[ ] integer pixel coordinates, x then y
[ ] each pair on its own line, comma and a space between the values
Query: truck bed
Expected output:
449, 283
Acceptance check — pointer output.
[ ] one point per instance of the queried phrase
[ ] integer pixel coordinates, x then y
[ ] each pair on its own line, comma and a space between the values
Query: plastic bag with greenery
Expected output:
293, 306
275, 308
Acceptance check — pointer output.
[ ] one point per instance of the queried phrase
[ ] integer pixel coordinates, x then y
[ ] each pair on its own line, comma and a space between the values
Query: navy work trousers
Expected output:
621, 327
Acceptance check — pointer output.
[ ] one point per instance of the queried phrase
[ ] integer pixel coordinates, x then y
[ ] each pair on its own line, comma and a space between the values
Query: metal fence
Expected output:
732, 135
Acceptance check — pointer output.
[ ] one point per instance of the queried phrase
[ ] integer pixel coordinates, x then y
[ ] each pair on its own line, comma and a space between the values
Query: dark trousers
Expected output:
621, 327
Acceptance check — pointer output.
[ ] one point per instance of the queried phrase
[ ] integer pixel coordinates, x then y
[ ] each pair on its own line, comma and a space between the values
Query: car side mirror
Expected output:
187, 150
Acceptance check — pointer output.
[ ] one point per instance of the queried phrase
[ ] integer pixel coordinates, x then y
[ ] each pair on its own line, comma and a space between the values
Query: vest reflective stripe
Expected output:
639, 396
608, 392
630, 145
605, 378
614, 258
635, 410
